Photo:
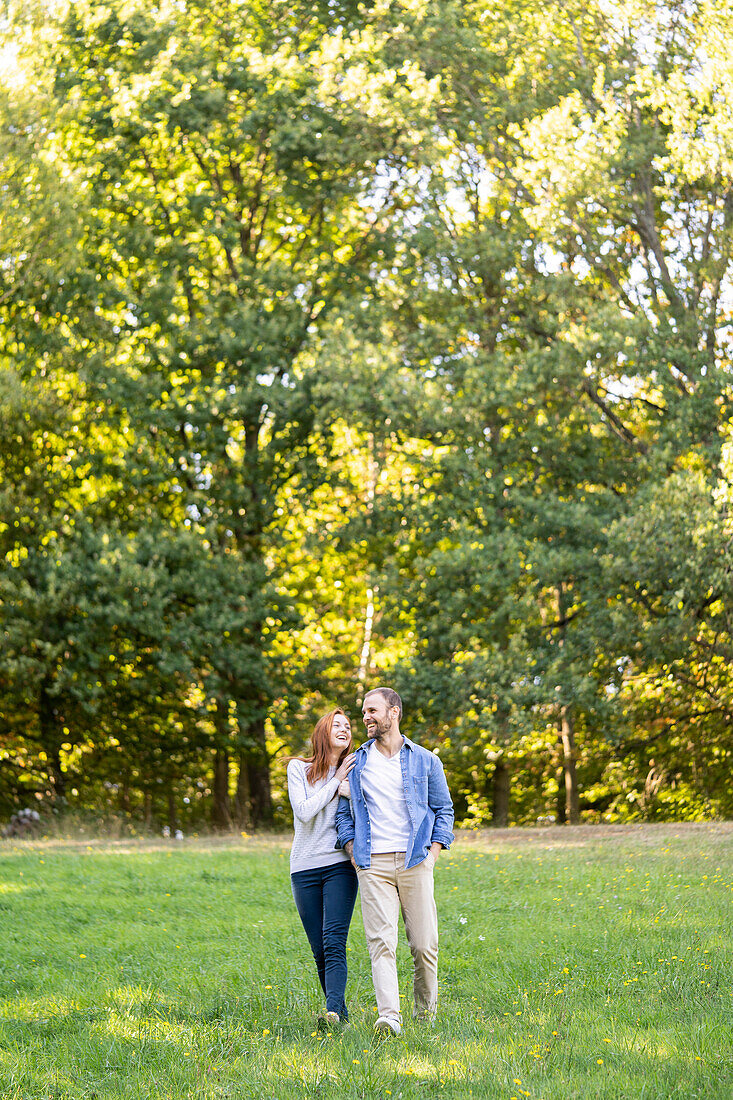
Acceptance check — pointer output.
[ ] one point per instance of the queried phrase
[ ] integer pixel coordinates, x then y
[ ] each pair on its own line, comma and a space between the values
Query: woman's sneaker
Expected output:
332, 1019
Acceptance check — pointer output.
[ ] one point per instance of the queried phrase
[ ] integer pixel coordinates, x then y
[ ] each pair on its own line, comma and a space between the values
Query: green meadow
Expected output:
593, 962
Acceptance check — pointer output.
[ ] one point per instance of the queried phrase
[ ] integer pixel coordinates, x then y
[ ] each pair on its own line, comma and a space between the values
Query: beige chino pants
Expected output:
385, 888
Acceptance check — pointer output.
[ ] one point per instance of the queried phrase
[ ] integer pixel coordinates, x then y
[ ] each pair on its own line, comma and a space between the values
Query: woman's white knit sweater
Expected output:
314, 817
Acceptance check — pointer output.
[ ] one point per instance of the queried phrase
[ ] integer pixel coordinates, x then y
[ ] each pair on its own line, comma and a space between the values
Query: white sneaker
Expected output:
387, 1025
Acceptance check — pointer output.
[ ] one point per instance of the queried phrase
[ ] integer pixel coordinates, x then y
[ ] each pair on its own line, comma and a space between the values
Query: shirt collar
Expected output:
406, 743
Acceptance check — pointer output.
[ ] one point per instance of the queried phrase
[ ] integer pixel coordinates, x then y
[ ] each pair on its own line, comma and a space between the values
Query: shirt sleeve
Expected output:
305, 801
345, 827
440, 802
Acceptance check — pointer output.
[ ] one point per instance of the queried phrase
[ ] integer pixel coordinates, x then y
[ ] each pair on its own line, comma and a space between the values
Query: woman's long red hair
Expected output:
320, 761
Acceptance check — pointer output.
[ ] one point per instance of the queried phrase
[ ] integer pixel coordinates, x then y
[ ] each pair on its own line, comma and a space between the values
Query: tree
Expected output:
570, 307
240, 165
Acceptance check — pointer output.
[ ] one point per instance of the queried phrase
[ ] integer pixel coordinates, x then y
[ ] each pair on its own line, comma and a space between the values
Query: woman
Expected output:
323, 880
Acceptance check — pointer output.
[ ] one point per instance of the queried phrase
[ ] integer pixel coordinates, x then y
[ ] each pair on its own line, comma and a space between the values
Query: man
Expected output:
402, 817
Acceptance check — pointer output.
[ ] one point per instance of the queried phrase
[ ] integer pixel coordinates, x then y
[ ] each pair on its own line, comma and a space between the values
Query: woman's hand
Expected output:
345, 766
344, 789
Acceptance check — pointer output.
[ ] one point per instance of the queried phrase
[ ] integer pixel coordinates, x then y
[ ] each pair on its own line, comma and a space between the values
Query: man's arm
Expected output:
345, 831
439, 801
349, 849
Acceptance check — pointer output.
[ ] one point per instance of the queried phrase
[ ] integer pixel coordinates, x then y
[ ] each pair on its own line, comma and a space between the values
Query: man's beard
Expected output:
381, 728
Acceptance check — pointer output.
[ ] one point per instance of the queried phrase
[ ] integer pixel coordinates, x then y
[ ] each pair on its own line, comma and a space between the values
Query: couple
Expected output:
381, 835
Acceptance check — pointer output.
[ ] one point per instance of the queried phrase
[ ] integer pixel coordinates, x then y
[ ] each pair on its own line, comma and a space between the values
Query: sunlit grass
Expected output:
573, 964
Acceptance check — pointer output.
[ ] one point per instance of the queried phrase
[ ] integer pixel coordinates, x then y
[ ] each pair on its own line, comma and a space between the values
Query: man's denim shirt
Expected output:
428, 804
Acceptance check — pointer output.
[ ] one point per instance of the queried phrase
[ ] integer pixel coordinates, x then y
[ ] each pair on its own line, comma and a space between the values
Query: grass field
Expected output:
594, 962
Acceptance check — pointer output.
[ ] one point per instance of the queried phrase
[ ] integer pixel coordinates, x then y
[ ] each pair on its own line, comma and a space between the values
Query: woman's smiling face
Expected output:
340, 732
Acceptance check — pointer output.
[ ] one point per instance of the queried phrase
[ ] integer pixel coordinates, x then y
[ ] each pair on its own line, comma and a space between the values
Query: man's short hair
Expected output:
390, 697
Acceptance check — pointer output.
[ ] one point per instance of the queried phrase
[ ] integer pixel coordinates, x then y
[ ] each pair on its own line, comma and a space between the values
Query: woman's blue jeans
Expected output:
324, 897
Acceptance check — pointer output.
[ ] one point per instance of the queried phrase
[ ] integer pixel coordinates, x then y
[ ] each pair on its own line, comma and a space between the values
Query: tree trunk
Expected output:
258, 771
566, 729
567, 737
561, 816
221, 813
51, 739
372, 473
171, 797
500, 787
366, 649
242, 807
254, 776
125, 805
253, 797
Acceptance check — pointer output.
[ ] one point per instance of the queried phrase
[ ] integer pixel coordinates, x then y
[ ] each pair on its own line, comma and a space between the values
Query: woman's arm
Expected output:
305, 802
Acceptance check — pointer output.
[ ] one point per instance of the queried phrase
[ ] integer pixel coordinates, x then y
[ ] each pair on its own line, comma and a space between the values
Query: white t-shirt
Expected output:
381, 785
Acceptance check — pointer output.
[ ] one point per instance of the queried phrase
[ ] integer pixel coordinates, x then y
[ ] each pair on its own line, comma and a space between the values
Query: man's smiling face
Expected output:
378, 717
